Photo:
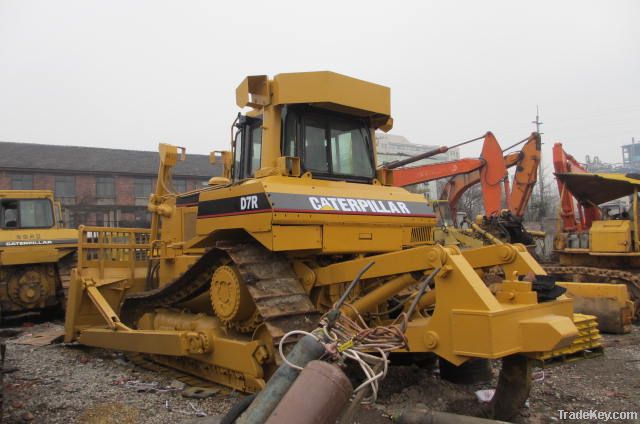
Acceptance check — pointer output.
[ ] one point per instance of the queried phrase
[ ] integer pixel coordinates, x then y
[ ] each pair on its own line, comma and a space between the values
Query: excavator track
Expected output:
630, 279
279, 297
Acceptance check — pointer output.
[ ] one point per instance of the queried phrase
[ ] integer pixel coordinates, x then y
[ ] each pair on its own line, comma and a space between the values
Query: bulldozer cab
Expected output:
327, 144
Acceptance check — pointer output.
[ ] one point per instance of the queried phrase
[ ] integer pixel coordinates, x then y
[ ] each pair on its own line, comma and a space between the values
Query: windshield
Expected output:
26, 213
332, 144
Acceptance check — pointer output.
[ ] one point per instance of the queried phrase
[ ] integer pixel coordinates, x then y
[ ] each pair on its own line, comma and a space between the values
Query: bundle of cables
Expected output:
352, 339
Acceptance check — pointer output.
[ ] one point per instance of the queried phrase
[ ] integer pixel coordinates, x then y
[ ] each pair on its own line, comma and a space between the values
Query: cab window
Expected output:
247, 148
335, 146
26, 213
256, 148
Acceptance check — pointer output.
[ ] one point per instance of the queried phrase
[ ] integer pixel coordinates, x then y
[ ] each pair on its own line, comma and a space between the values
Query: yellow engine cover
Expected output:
610, 236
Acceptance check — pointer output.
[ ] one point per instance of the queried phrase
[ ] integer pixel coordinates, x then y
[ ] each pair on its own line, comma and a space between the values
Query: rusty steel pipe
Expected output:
304, 351
318, 396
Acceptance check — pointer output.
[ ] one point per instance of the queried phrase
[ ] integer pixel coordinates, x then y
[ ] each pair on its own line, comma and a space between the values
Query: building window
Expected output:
105, 190
142, 187
66, 189
180, 186
142, 219
21, 182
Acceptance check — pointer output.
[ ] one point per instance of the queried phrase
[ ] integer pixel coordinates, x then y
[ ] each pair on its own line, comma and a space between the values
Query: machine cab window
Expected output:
26, 213
247, 148
330, 145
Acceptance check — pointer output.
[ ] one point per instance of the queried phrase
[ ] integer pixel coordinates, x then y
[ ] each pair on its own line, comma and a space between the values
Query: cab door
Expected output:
247, 152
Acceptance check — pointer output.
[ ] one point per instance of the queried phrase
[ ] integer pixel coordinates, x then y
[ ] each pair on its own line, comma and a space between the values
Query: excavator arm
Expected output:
526, 162
525, 176
564, 163
459, 184
421, 174
490, 167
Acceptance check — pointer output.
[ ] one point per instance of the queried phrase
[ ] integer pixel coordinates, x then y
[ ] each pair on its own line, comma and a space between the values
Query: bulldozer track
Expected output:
145, 361
279, 297
64, 267
277, 293
630, 279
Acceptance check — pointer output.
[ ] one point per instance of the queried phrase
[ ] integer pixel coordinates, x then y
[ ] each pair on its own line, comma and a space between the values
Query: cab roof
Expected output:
598, 188
323, 89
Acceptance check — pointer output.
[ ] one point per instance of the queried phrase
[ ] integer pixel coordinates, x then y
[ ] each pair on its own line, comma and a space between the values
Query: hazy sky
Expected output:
129, 74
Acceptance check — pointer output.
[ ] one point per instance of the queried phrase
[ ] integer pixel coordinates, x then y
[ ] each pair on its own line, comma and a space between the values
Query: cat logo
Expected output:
343, 204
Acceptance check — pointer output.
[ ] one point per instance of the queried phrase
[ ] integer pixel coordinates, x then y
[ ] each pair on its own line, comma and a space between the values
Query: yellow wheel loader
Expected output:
225, 272
36, 253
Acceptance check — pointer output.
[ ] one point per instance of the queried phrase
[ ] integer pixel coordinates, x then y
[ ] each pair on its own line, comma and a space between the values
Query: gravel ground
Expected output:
74, 384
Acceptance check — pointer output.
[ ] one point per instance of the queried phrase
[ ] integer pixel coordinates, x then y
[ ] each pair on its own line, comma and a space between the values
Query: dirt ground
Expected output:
60, 383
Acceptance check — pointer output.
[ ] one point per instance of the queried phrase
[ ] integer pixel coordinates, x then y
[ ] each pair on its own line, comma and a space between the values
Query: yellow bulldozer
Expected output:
36, 253
225, 272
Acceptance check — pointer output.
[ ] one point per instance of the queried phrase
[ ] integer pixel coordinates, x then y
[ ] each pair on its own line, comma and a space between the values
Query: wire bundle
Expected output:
352, 339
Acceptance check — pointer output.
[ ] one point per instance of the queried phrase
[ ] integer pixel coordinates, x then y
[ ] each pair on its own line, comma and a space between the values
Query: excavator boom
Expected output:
564, 163
525, 177
526, 162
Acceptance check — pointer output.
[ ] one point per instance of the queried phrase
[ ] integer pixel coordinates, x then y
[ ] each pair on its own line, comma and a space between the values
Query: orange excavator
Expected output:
505, 223
574, 216
504, 205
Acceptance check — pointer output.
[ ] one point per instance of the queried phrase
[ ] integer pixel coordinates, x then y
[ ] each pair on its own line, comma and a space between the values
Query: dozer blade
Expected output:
610, 303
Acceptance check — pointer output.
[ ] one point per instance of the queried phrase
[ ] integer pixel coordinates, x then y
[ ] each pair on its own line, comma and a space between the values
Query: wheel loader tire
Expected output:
474, 371
237, 409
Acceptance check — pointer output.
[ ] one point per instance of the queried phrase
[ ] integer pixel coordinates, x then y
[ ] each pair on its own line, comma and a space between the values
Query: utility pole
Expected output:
540, 165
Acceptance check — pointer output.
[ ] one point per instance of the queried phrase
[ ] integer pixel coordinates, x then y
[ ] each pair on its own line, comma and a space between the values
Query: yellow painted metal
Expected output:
588, 342
291, 237
610, 236
610, 303
31, 258
326, 242
380, 295
174, 343
337, 91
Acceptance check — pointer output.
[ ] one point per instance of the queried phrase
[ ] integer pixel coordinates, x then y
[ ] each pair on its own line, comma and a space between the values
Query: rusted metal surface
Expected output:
318, 396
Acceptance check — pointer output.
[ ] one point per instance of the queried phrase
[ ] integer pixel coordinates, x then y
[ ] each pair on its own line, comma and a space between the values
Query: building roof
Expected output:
47, 157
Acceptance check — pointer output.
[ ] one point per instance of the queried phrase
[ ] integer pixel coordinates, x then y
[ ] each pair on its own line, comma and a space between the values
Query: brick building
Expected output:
96, 186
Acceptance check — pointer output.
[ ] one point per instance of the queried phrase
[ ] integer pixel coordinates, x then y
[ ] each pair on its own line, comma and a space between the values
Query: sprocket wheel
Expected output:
28, 289
231, 300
